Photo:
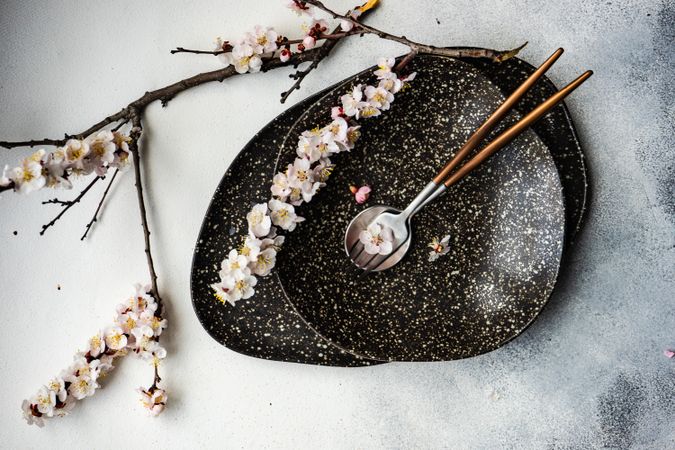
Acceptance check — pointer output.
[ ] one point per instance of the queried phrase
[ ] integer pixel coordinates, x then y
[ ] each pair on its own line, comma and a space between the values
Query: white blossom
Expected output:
384, 67
101, 151
263, 39
283, 215
322, 170
64, 409
82, 367
353, 135
106, 363
240, 286
224, 57
250, 248
368, 111
28, 176
81, 386
309, 42
313, 147
392, 83
259, 221
280, 186
353, 103
58, 387
265, 262
152, 352
300, 7
439, 248
377, 239
301, 181
28, 415
346, 25
4, 177
156, 323
97, 344
154, 400
45, 401
233, 264
244, 58
75, 152
137, 329
378, 97
236, 286
272, 240
336, 131
115, 338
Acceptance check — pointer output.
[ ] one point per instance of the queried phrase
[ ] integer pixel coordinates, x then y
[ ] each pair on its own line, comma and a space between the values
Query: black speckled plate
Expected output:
266, 326
507, 223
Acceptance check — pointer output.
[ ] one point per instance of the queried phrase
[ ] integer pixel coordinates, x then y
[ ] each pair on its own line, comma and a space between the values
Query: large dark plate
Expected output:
507, 222
266, 326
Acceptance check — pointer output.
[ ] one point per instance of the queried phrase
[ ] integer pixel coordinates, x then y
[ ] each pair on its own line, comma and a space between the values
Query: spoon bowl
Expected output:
387, 217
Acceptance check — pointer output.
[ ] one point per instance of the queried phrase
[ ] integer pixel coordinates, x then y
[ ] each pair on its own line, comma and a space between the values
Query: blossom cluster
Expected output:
136, 330
96, 154
300, 181
247, 53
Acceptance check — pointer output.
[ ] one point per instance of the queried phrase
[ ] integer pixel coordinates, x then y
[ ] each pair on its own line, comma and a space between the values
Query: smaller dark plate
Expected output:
506, 221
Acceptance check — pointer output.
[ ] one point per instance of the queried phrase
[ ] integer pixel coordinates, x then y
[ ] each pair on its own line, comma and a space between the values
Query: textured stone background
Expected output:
589, 373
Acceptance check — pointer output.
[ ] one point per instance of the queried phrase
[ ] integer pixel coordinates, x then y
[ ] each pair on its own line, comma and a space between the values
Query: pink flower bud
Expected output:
336, 111
361, 195
285, 55
346, 25
309, 42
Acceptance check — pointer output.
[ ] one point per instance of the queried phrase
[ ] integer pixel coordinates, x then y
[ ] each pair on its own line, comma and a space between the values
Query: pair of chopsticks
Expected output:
444, 180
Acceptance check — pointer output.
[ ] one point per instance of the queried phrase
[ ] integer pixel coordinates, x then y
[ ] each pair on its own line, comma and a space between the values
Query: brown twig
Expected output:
68, 204
100, 204
197, 52
165, 94
405, 61
454, 52
136, 132
300, 75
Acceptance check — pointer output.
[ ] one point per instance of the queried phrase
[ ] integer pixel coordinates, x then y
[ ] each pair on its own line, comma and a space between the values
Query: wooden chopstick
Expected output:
510, 134
482, 132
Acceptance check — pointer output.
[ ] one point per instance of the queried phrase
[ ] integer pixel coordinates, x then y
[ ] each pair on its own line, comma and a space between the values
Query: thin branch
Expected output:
454, 52
100, 204
405, 61
334, 36
136, 132
68, 204
57, 201
300, 75
331, 41
165, 94
197, 52
60, 142
120, 125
